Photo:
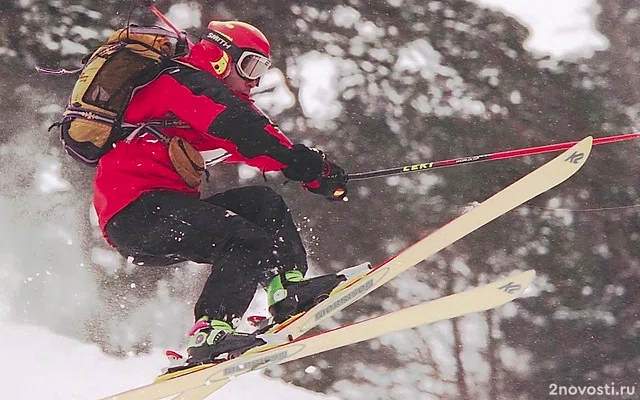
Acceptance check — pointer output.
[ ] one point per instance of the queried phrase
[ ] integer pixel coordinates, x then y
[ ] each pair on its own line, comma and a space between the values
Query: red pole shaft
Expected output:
559, 146
163, 19
500, 155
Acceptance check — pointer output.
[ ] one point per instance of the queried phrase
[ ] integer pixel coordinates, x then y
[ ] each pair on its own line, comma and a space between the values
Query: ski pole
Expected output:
501, 155
161, 16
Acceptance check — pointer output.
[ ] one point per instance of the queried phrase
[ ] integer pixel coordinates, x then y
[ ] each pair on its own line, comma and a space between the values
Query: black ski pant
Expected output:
246, 234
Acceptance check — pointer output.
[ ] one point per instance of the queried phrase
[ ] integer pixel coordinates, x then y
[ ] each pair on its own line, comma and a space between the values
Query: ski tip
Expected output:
529, 275
580, 151
531, 272
588, 141
518, 284
570, 161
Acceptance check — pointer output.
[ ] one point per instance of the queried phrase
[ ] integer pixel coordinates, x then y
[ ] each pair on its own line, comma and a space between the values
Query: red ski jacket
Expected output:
219, 119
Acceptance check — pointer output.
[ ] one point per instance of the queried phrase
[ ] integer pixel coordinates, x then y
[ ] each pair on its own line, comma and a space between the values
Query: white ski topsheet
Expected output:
472, 300
540, 180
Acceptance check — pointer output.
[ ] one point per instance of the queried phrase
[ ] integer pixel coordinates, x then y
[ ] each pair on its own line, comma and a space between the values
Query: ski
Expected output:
209, 379
540, 180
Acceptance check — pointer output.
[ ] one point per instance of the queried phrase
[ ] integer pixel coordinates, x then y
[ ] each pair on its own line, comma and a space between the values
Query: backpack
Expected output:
131, 58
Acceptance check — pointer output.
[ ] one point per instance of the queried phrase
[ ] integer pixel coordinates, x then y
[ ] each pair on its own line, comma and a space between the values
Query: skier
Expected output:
150, 210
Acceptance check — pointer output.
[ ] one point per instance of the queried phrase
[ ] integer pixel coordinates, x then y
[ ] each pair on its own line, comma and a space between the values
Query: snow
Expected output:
246, 173
85, 33
345, 17
65, 369
184, 15
273, 96
38, 287
317, 74
50, 366
561, 29
48, 179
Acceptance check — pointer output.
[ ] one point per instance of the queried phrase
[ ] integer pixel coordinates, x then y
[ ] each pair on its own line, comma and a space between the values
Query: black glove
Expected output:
318, 175
305, 164
331, 184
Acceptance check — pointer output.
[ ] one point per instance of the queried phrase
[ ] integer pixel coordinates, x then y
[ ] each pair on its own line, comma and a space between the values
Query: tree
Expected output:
405, 82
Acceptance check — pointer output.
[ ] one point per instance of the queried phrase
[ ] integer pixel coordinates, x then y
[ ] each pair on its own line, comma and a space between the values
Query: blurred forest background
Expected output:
411, 81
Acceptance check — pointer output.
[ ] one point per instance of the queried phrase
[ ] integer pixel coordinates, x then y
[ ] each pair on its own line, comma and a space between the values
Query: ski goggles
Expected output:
252, 66
249, 64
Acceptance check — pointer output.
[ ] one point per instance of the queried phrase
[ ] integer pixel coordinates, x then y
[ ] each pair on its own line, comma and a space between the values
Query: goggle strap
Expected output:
223, 43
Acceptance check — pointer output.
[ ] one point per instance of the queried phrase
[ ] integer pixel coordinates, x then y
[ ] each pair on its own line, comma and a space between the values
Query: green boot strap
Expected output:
293, 276
220, 325
276, 290
199, 336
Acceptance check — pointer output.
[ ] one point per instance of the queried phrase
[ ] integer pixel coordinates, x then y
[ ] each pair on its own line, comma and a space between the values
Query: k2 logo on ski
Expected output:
510, 287
575, 158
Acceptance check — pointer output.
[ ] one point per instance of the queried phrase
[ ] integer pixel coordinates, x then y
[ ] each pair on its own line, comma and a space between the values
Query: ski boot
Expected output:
290, 294
215, 340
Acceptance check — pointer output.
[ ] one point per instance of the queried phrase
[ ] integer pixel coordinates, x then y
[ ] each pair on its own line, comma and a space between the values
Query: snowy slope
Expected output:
45, 366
